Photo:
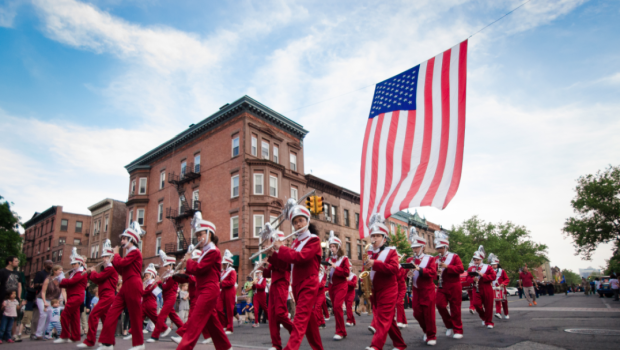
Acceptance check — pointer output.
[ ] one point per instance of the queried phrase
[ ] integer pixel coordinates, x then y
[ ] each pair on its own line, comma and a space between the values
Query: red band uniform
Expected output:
106, 282
423, 291
350, 299
401, 317
501, 280
226, 302
321, 303
260, 298
451, 292
280, 275
75, 287
193, 295
149, 299
338, 287
470, 282
169, 289
483, 300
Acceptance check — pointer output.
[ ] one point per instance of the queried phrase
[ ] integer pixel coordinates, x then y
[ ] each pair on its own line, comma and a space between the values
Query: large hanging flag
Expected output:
413, 146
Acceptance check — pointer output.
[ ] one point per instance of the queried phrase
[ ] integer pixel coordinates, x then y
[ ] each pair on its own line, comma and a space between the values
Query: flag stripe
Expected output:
383, 144
389, 174
363, 172
375, 160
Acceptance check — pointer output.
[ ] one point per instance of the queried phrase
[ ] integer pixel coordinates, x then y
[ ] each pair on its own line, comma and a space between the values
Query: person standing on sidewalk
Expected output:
615, 285
526, 281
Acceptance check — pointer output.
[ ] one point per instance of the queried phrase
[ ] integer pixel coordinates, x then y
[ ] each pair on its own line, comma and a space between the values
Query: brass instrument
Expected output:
478, 279
440, 271
365, 279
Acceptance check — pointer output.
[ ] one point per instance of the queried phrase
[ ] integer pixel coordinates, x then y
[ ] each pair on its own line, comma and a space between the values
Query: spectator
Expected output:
248, 312
520, 290
85, 310
39, 279
50, 290
526, 281
54, 320
597, 285
10, 279
95, 299
290, 303
31, 299
8, 316
592, 286
184, 302
615, 285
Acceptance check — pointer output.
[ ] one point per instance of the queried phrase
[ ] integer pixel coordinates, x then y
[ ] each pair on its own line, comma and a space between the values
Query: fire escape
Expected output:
186, 210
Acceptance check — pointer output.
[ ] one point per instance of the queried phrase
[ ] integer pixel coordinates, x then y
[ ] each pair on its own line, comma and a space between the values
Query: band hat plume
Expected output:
493, 259
479, 254
299, 210
107, 248
334, 240
228, 257
151, 269
77, 258
165, 259
199, 224
441, 239
134, 232
376, 225
416, 241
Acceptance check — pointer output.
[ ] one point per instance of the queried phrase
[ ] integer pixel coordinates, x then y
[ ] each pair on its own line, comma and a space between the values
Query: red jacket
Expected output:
322, 282
277, 270
402, 279
503, 278
191, 286
386, 272
341, 273
129, 267
352, 283
169, 289
488, 276
76, 285
259, 286
207, 271
452, 273
106, 281
470, 279
306, 262
229, 281
426, 274
147, 294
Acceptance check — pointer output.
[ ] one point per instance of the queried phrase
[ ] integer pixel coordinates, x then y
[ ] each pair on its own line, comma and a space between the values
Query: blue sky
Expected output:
88, 86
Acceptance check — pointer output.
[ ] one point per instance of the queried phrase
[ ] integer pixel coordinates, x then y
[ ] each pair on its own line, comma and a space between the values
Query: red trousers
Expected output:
318, 308
226, 307
424, 312
98, 312
70, 320
483, 302
305, 317
181, 331
450, 294
149, 310
260, 303
498, 307
471, 300
278, 312
337, 293
131, 298
324, 307
400, 307
203, 318
349, 303
384, 308
166, 311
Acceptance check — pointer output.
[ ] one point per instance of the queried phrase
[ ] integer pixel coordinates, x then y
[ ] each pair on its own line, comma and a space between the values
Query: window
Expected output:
133, 187
130, 217
62, 240
97, 252
181, 200
142, 185
197, 163
359, 250
234, 227
179, 235
195, 198
141, 216
162, 179
157, 245
275, 153
293, 162
92, 252
349, 250
334, 214
258, 224
346, 217
294, 193
234, 186
78, 226
326, 211
274, 221
357, 220
183, 168
63, 224
105, 227
160, 212
273, 186
264, 149
54, 256
77, 241
258, 183
60, 255
96, 228
235, 146
254, 145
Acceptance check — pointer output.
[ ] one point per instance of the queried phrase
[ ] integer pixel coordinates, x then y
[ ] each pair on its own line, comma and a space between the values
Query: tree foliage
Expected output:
613, 265
571, 277
597, 205
511, 243
10, 241
401, 242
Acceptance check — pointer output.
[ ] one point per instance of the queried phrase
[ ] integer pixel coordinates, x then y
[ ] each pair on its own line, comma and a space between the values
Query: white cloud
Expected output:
8, 11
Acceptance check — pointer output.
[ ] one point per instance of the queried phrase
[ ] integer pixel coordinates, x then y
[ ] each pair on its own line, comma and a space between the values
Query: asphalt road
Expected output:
540, 327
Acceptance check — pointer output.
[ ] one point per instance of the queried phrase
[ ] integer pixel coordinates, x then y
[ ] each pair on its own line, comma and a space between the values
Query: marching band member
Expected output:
106, 282
338, 275
320, 300
207, 272
130, 295
169, 288
401, 317
149, 297
501, 281
383, 265
423, 298
226, 303
259, 299
280, 274
305, 259
470, 282
75, 287
483, 291
351, 284
449, 270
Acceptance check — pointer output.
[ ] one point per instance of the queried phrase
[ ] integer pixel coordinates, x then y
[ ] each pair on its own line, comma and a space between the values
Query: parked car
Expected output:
512, 291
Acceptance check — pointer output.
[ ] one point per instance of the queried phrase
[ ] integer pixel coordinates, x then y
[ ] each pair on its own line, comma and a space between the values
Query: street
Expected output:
540, 327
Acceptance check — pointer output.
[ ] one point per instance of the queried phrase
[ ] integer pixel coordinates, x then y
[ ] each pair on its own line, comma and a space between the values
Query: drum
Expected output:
498, 293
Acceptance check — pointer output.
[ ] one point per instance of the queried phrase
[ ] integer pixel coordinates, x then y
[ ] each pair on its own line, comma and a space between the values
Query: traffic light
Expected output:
318, 202
310, 204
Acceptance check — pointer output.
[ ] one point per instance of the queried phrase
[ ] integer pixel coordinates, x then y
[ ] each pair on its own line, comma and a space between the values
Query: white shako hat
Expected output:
416, 241
151, 269
376, 226
134, 232
77, 258
441, 239
299, 210
107, 249
196, 254
479, 254
199, 225
493, 259
334, 240
228, 257
165, 259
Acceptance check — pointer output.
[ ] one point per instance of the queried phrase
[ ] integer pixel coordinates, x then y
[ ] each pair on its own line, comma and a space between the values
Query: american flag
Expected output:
413, 146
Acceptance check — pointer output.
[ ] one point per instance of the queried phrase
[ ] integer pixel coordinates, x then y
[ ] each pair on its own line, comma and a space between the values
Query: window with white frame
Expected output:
105, 226
254, 145
197, 163
141, 216
195, 197
234, 227
157, 245
179, 235
258, 184
234, 186
183, 168
275, 153
293, 162
97, 251
162, 179
258, 224
264, 150
273, 186
294, 193
160, 212
130, 217
92, 252
142, 185
181, 200
133, 187
235, 146
274, 221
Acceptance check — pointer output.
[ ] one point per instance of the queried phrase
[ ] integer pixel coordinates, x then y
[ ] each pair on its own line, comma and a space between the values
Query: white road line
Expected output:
605, 302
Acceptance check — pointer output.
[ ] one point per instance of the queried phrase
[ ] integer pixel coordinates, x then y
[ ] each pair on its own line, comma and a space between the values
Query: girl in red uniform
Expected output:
338, 275
305, 259
483, 296
260, 298
75, 286
226, 302
351, 284
149, 297
207, 271
470, 280
501, 281
320, 300
449, 269
106, 282
130, 295
383, 265
169, 288
401, 318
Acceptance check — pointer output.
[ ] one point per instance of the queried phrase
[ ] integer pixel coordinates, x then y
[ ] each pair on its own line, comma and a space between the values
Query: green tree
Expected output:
400, 241
510, 242
597, 205
10, 241
570, 277
613, 265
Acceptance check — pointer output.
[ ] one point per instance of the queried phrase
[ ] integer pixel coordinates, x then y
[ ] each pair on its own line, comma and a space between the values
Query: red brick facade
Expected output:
109, 219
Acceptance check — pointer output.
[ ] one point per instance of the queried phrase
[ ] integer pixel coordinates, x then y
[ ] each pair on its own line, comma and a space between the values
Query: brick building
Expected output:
237, 167
109, 220
51, 235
